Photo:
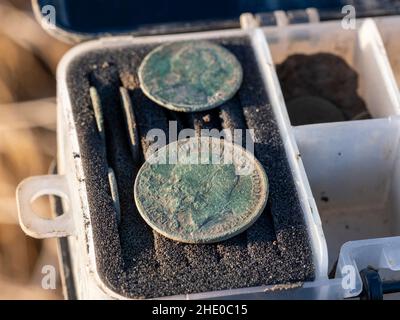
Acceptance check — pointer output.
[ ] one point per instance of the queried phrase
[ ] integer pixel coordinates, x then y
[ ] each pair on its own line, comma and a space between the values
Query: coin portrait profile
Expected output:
190, 76
201, 203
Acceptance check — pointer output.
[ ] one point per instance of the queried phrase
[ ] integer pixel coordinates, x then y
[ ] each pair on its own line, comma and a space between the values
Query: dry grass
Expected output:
27, 146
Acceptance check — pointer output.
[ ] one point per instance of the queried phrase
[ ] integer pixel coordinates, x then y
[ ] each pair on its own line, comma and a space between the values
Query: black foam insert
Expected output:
132, 259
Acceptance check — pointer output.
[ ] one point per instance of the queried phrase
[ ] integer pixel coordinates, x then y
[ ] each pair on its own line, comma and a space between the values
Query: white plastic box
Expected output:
353, 167
359, 212
371, 162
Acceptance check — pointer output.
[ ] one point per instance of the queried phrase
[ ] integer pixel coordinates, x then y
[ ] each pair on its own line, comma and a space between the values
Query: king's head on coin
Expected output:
190, 76
201, 199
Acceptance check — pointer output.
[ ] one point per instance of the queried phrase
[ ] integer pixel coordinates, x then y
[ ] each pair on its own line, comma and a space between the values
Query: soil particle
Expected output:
327, 78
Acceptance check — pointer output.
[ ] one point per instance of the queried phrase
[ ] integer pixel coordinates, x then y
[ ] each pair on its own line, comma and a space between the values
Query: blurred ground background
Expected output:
28, 59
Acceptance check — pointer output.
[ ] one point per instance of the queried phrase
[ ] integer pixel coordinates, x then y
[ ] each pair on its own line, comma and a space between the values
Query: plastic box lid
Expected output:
78, 20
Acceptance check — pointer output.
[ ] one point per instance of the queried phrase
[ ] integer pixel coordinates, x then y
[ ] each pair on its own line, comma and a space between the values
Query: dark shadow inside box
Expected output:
132, 259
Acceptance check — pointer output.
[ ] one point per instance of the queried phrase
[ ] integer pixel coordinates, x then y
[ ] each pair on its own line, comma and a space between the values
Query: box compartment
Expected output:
368, 83
354, 172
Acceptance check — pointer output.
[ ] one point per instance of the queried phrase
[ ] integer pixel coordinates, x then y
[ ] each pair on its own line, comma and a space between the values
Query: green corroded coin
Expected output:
190, 76
201, 190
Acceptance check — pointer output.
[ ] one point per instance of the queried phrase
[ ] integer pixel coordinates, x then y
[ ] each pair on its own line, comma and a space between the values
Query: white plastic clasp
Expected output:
35, 226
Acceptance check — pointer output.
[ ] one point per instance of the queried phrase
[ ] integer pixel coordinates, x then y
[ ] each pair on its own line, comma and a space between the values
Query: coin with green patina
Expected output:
201, 190
190, 76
